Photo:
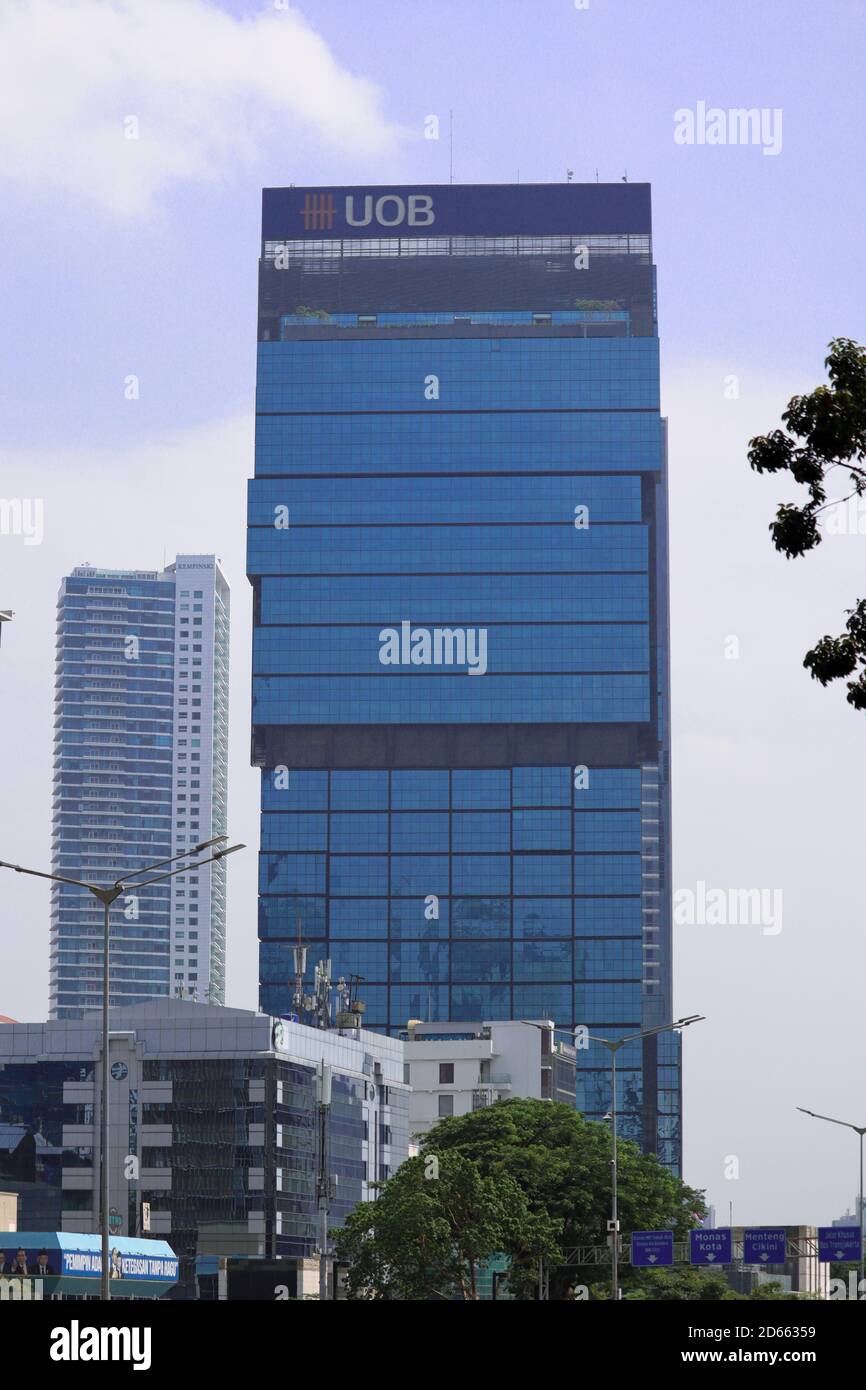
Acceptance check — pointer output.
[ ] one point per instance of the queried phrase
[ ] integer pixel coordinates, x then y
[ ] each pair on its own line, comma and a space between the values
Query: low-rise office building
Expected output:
213, 1129
455, 1068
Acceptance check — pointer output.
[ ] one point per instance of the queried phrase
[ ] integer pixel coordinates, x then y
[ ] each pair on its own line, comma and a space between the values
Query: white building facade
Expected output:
140, 775
456, 1068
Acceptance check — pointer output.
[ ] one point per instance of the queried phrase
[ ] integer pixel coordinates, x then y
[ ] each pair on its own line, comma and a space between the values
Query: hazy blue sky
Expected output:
139, 257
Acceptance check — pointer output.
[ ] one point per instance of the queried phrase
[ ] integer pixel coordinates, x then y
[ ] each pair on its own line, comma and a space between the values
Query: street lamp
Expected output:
861, 1130
613, 1045
130, 879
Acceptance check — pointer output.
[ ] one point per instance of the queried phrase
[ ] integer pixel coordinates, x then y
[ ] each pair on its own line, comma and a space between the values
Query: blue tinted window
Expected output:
419, 960
544, 1001
419, 875
607, 873
424, 1001
481, 873
542, 873
280, 916
359, 791
366, 958
541, 786
362, 875
543, 960
419, 917
541, 829
614, 787
419, 790
602, 830
560, 440
294, 831
358, 917
292, 873
479, 960
542, 917
277, 963
483, 789
375, 501
607, 1003
609, 959
481, 917
481, 831
593, 1090
607, 916
292, 790
375, 998
419, 832
472, 1002
596, 1056
361, 832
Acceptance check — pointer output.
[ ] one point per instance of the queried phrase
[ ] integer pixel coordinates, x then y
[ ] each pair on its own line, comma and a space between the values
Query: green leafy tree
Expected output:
561, 1163
826, 430
774, 1292
683, 1285
431, 1228
690, 1285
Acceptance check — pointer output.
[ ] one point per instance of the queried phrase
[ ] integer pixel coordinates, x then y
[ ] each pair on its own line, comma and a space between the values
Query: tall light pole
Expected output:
130, 880
613, 1045
323, 1180
859, 1130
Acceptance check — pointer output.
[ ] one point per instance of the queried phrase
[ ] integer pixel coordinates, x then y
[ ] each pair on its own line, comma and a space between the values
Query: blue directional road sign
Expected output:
710, 1247
652, 1249
764, 1245
838, 1243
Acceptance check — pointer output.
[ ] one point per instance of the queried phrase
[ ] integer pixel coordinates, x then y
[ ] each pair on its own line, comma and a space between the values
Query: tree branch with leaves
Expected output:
825, 432
432, 1228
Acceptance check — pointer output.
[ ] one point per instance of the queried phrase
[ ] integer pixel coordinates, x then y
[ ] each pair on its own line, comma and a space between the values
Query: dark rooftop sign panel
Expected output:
526, 209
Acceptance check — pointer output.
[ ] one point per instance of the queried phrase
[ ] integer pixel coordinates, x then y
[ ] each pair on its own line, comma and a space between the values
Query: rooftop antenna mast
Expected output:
322, 994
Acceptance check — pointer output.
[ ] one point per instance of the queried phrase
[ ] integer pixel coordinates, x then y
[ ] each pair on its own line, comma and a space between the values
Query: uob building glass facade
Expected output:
458, 552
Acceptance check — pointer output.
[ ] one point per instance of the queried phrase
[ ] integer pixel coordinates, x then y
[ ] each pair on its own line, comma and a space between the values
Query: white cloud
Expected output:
207, 90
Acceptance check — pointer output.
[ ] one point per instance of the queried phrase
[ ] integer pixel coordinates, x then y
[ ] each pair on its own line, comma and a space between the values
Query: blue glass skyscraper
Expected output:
458, 552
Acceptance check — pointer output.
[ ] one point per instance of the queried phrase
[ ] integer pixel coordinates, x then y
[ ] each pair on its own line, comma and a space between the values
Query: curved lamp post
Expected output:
861, 1130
